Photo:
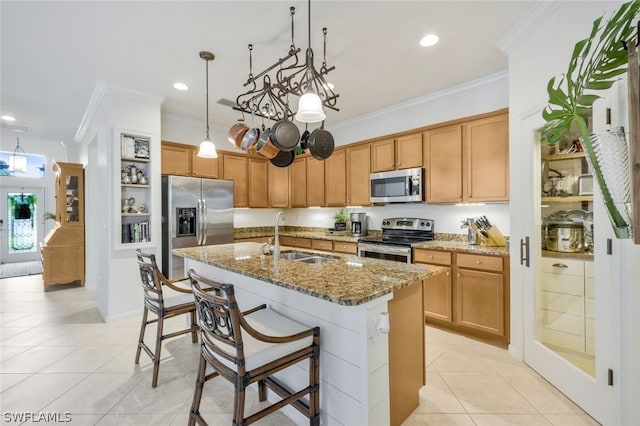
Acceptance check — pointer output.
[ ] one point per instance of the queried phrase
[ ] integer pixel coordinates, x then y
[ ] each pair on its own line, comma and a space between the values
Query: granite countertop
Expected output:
462, 247
349, 280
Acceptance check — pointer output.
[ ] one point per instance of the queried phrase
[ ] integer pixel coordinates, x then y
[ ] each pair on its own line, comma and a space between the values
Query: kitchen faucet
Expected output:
276, 247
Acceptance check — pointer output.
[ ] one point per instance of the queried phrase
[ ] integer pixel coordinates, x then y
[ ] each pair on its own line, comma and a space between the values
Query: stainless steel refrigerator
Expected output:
195, 212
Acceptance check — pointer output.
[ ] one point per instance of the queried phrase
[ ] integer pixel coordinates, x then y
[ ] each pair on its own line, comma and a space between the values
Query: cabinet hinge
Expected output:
610, 378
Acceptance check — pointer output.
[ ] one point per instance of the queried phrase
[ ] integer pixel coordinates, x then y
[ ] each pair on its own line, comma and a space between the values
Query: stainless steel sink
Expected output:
305, 257
292, 255
315, 259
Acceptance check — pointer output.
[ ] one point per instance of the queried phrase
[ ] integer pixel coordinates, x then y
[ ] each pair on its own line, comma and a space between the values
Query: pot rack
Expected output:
271, 99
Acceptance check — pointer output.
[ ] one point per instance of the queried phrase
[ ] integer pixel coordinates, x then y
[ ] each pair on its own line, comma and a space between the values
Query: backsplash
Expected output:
448, 218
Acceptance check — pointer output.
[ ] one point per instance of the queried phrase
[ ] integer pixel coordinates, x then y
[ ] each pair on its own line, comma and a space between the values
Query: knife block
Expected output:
494, 239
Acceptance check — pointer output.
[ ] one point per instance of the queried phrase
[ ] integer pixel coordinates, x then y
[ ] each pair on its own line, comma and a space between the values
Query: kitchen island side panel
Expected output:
354, 371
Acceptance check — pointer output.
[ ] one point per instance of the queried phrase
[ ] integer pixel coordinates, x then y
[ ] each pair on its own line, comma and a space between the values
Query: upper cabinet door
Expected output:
486, 159
234, 167
176, 160
336, 179
204, 167
383, 155
409, 151
298, 181
279, 186
315, 182
258, 183
358, 170
443, 164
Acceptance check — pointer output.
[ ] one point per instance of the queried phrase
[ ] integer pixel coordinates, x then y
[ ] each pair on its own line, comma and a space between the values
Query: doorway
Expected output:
566, 308
21, 223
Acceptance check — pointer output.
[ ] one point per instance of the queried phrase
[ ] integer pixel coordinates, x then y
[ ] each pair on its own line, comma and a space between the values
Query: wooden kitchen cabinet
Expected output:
258, 182
471, 297
234, 167
409, 151
438, 290
443, 164
182, 160
345, 247
403, 152
176, 159
324, 245
316, 182
204, 167
383, 155
468, 161
63, 248
295, 242
358, 171
486, 159
298, 182
335, 179
480, 300
278, 186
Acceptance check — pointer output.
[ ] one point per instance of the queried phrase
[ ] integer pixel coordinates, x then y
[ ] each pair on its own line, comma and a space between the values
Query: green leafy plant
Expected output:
596, 63
48, 215
341, 217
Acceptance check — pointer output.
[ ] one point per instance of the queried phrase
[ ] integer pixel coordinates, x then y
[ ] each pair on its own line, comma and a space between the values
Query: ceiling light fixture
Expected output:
8, 118
17, 162
429, 40
180, 86
207, 148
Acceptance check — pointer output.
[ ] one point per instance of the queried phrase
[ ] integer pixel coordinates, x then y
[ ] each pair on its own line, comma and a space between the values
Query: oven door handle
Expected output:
377, 248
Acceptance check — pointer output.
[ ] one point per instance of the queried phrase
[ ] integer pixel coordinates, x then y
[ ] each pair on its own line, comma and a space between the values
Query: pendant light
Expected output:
207, 148
18, 163
310, 105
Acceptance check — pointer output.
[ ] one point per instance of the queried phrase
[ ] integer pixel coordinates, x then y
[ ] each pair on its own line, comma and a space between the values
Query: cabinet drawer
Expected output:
432, 256
295, 242
342, 247
562, 266
474, 261
322, 245
566, 284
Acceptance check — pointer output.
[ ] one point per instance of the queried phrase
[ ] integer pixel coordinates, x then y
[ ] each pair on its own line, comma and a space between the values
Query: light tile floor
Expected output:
57, 356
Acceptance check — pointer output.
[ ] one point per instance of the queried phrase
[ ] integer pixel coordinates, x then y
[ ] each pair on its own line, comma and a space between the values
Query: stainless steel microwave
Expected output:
398, 186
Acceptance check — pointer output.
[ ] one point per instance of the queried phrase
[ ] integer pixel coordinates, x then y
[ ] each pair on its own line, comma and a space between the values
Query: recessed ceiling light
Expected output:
8, 118
180, 86
429, 40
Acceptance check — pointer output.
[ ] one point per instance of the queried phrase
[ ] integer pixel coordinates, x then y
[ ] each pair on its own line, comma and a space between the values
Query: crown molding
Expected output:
489, 81
99, 92
520, 31
190, 121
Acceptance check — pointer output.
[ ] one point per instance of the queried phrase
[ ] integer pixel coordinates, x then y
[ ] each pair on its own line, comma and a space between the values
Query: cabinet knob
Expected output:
430, 256
458, 275
477, 262
447, 274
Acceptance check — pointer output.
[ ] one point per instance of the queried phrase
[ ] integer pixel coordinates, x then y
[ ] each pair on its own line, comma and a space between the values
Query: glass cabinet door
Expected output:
70, 203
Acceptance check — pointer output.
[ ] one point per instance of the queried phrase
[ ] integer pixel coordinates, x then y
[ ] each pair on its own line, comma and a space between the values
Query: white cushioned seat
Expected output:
257, 352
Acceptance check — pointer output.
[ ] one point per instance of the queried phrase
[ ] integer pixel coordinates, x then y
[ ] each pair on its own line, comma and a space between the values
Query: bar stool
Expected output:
154, 301
248, 347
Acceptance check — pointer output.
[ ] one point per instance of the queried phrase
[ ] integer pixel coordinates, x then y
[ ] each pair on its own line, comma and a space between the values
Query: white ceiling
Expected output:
54, 52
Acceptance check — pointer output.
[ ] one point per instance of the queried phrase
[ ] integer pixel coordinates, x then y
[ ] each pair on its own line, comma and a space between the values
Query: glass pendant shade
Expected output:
17, 163
310, 108
207, 149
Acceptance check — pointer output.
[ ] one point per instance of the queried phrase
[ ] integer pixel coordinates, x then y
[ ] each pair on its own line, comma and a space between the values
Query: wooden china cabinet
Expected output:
63, 248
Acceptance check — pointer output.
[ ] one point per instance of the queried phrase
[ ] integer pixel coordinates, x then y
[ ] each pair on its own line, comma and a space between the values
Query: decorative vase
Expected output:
608, 158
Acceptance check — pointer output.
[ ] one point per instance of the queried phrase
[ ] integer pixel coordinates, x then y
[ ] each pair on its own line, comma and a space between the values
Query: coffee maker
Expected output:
358, 224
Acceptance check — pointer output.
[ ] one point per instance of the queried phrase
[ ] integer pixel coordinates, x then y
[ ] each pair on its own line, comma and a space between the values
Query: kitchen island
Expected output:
368, 376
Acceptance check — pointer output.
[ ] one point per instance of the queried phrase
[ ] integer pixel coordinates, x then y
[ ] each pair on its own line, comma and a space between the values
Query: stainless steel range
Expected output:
398, 235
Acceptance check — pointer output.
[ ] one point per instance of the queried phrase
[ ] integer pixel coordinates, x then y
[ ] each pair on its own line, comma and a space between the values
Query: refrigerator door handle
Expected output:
204, 222
198, 221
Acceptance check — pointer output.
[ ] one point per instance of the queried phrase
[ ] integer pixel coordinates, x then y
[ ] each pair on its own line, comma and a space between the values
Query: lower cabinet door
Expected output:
480, 300
437, 296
